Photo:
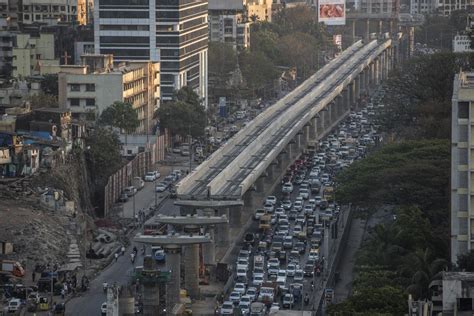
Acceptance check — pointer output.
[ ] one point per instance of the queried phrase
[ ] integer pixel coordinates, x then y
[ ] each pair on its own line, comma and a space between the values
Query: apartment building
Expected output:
462, 165
34, 55
259, 10
423, 6
6, 52
175, 32
228, 23
446, 7
379, 8
88, 89
462, 43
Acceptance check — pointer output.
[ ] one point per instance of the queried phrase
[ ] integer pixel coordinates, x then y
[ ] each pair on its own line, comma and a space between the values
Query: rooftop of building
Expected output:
52, 110
225, 5
458, 276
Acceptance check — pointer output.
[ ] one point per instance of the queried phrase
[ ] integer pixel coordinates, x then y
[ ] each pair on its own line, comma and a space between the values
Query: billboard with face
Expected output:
332, 12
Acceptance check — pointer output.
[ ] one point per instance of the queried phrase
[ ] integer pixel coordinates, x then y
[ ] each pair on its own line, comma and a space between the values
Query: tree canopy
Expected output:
184, 116
42, 100
121, 115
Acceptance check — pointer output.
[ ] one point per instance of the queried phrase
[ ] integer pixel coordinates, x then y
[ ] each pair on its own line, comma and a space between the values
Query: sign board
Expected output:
5, 157
332, 12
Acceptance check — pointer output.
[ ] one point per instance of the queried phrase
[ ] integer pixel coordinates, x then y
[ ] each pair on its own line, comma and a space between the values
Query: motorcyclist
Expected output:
105, 286
306, 299
132, 257
135, 250
123, 250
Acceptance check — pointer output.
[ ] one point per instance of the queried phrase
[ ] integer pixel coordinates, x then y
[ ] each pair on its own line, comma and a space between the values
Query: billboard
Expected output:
332, 12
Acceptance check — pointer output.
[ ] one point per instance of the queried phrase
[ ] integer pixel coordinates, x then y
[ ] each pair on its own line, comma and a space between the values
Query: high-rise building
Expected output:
96, 84
462, 165
175, 32
423, 6
228, 23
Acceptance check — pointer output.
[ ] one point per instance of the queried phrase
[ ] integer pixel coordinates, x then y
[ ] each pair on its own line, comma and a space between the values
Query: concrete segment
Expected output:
191, 220
209, 250
171, 239
209, 203
191, 270
222, 238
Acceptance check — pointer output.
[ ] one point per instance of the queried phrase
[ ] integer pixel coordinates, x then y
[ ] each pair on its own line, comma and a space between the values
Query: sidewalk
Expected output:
343, 288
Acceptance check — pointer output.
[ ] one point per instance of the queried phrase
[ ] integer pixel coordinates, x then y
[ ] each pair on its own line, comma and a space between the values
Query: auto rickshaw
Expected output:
43, 304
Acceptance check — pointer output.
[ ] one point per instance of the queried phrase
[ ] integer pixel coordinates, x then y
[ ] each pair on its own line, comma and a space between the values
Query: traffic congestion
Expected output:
281, 264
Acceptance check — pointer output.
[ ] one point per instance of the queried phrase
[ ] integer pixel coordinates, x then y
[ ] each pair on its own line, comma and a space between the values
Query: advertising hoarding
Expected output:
332, 12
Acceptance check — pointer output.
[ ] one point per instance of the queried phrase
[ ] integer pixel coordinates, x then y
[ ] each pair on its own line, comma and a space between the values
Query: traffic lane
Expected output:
119, 272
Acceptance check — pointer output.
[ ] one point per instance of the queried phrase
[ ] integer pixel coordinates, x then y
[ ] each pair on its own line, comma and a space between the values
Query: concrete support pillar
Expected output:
367, 80
334, 112
173, 259
313, 130
222, 234
288, 155
367, 30
362, 78
353, 31
377, 71
372, 75
321, 121
346, 95
380, 27
298, 142
351, 94
270, 173
209, 249
340, 105
327, 116
236, 216
260, 185
306, 131
357, 90
191, 270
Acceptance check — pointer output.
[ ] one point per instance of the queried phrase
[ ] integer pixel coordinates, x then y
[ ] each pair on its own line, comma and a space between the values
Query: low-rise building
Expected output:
52, 12
462, 43
259, 10
88, 89
34, 55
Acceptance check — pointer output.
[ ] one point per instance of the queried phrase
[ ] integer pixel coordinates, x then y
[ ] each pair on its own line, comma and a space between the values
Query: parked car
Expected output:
130, 191
161, 187
152, 175
14, 305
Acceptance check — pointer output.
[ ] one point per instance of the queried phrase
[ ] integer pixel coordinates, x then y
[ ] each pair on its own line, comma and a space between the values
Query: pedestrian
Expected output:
63, 292
123, 250
116, 257
33, 276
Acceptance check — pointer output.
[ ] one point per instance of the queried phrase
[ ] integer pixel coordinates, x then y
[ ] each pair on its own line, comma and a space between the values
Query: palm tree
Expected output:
425, 270
254, 18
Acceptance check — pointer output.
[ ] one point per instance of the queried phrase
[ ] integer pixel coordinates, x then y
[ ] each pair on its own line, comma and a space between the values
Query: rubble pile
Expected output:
38, 236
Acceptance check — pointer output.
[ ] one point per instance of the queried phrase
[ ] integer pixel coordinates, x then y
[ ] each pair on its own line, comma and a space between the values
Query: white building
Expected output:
462, 44
96, 84
175, 32
462, 165
446, 7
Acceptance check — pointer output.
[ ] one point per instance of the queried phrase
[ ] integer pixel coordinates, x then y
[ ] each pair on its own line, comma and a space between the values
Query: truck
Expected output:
267, 293
265, 222
259, 262
12, 268
328, 194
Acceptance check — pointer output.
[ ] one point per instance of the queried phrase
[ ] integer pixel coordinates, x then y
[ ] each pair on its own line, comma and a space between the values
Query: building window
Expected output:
90, 102
75, 87
463, 110
90, 87
74, 101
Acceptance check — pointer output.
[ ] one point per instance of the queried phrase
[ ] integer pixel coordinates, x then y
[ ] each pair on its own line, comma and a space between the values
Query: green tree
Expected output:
42, 100
103, 158
258, 71
222, 61
299, 50
49, 84
120, 115
466, 261
184, 116
265, 40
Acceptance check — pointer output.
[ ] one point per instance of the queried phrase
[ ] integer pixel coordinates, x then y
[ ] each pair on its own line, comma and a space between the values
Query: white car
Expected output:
281, 276
291, 269
299, 275
152, 175
161, 187
272, 262
240, 288
252, 293
14, 305
242, 264
244, 304
241, 272
298, 206
271, 199
258, 280
269, 207
304, 193
227, 308
258, 214
287, 188
234, 297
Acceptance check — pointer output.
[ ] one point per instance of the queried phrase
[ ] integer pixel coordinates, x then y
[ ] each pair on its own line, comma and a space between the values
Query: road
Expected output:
90, 302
